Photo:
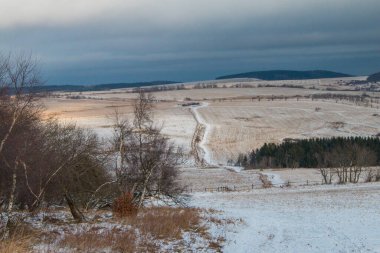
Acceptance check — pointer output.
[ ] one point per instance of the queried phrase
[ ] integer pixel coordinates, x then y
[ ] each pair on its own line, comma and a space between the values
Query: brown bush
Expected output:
124, 206
265, 181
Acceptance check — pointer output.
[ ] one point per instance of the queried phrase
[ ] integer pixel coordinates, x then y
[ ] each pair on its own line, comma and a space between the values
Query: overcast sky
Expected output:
104, 41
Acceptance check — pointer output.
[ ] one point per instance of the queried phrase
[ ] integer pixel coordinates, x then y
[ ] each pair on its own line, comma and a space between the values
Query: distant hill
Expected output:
286, 75
374, 78
97, 87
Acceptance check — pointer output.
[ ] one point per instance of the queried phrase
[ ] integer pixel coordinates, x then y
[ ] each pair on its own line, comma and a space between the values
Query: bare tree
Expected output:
361, 157
41, 160
18, 76
323, 161
74, 167
149, 162
122, 131
348, 163
372, 175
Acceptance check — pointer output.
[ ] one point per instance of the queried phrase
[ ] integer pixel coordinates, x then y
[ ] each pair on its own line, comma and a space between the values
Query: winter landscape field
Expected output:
144, 126
296, 213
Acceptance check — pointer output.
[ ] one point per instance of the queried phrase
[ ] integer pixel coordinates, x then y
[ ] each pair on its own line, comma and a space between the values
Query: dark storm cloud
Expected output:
115, 41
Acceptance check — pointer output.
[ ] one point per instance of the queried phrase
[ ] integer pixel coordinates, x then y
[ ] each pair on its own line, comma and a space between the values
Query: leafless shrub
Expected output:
41, 161
18, 110
348, 163
377, 177
370, 175
147, 161
124, 206
337, 124
265, 181
323, 161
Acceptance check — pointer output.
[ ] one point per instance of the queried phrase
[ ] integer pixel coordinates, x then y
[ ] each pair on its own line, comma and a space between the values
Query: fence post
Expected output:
307, 182
234, 188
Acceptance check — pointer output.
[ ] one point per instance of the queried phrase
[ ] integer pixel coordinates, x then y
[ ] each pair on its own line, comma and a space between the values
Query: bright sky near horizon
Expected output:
103, 41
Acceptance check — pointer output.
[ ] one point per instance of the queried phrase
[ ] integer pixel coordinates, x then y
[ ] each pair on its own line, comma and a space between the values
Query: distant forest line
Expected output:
96, 87
272, 75
314, 153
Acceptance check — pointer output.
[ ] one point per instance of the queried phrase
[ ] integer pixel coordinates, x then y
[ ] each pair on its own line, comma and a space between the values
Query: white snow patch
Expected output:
305, 219
275, 179
234, 168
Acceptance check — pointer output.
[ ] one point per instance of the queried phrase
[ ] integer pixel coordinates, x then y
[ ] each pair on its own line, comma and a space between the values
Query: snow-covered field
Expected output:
240, 126
196, 179
303, 219
233, 125
324, 218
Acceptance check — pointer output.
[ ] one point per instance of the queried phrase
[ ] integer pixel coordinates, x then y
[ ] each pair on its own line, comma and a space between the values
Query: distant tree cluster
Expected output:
364, 98
205, 86
284, 86
312, 153
157, 88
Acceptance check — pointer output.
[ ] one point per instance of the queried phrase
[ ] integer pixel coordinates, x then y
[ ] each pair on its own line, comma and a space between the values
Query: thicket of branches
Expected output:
147, 161
44, 162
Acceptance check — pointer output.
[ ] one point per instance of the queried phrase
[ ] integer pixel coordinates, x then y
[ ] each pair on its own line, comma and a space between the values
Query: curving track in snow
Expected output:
204, 136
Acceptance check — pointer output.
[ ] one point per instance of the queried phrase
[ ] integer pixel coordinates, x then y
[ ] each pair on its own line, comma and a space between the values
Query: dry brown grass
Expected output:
168, 223
114, 239
141, 233
20, 240
12, 246
151, 230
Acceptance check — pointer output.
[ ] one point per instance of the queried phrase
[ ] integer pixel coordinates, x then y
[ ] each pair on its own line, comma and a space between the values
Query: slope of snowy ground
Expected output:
196, 179
303, 219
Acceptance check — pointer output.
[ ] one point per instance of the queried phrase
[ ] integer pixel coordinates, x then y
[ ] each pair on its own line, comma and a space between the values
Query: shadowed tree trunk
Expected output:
75, 212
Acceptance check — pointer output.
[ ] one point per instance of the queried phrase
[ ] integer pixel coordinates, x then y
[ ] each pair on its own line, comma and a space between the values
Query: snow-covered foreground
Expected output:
304, 219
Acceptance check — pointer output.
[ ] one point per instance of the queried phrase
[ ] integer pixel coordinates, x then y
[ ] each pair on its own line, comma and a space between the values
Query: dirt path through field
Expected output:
201, 152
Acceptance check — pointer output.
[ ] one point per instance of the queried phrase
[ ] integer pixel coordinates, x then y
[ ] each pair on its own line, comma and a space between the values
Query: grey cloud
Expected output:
189, 40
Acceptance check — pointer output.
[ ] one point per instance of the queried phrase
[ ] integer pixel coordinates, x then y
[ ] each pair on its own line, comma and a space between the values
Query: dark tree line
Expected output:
314, 153
356, 99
